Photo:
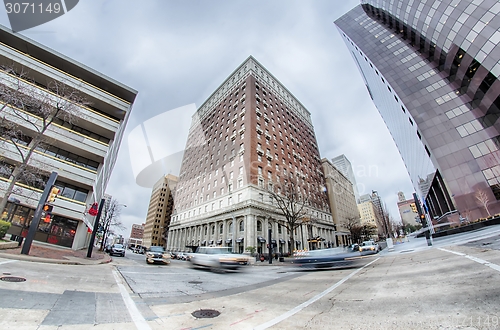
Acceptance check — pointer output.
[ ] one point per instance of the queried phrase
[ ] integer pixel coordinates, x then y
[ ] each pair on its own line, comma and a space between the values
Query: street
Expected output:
448, 285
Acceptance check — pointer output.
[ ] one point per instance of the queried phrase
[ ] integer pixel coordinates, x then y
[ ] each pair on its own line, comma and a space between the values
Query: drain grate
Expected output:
12, 279
195, 282
205, 313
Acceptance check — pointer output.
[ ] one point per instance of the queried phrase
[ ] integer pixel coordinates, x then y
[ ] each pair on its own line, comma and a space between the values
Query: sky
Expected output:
176, 53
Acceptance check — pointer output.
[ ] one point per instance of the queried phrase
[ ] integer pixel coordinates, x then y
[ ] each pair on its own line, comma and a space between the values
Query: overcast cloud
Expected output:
178, 52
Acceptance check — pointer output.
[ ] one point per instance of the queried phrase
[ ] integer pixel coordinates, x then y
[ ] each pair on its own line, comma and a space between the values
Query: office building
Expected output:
250, 137
342, 201
368, 213
82, 148
431, 68
344, 166
161, 205
408, 212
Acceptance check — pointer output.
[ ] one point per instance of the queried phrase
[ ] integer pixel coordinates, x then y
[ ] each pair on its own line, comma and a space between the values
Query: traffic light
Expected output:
413, 208
53, 194
47, 208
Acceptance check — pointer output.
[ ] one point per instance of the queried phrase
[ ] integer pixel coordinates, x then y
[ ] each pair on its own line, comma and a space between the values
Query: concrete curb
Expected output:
68, 261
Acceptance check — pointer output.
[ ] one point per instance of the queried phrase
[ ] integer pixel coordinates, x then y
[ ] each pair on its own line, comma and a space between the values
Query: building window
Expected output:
259, 225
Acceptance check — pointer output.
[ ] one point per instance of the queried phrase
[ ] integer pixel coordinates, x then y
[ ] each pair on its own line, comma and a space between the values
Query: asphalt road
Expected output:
454, 284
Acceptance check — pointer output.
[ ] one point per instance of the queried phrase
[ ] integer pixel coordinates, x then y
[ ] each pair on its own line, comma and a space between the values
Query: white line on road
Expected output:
300, 307
481, 261
7, 261
137, 317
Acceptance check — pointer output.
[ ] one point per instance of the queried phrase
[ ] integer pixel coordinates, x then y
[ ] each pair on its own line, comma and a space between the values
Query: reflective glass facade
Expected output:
431, 68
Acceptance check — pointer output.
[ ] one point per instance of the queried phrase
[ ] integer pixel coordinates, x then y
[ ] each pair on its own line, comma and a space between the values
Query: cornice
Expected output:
251, 67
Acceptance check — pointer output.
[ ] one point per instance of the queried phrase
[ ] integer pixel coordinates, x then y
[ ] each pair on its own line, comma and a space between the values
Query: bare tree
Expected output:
483, 200
110, 219
353, 225
292, 203
367, 231
27, 112
384, 223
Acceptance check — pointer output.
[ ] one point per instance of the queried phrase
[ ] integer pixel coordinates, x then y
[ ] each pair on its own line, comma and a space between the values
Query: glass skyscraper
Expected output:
431, 68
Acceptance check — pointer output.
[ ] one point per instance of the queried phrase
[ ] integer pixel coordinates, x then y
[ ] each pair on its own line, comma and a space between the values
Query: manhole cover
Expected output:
12, 279
205, 313
195, 282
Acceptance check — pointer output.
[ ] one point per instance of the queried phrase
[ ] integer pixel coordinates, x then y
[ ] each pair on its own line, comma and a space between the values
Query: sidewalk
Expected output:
40, 252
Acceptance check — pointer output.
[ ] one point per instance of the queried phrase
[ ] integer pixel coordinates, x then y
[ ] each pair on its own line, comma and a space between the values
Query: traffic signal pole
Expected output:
424, 220
269, 235
94, 230
38, 214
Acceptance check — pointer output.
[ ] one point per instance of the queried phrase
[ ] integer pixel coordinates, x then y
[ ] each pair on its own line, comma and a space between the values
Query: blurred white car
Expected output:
218, 258
370, 246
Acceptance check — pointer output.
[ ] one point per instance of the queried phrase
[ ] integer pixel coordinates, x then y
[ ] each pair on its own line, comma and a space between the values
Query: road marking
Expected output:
300, 307
136, 316
481, 261
7, 261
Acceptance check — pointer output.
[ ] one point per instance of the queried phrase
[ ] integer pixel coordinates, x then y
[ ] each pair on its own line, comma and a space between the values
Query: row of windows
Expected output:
67, 190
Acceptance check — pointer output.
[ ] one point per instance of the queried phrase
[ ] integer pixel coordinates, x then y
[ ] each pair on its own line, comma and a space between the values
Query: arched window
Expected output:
259, 226
206, 230
242, 225
213, 229
230, 226
221, 228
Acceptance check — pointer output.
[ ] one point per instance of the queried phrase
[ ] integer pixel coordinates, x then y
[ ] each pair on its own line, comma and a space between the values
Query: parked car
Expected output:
117, 249
328, 258
369, 246
353, 247
181, 256
218, 258
139, 249
157, 254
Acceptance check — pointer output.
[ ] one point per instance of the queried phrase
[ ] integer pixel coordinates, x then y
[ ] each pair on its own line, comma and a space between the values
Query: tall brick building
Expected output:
247, 137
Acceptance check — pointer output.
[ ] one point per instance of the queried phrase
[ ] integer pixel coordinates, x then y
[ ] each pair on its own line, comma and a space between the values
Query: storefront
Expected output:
53, 229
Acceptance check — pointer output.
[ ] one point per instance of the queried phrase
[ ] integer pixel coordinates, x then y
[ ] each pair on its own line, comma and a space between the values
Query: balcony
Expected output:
260, 151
